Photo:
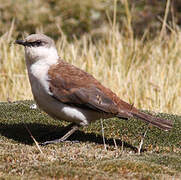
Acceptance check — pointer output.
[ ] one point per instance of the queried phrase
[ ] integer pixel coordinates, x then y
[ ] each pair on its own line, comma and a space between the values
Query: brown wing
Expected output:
73, 86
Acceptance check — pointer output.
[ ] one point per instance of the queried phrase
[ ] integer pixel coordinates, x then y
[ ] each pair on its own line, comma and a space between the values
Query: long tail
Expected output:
164, 124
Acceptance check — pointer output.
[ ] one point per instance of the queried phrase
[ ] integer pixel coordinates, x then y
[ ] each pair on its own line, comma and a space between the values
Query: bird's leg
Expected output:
74, 127
69, 133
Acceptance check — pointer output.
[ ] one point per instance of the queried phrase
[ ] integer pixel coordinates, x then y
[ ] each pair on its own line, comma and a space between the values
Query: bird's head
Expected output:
38, 47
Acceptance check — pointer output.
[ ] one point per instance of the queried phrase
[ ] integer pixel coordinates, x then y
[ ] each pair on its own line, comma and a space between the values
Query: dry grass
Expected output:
146, 73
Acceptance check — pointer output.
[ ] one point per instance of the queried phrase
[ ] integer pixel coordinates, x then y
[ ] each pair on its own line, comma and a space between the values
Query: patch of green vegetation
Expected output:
170, 160
20, 157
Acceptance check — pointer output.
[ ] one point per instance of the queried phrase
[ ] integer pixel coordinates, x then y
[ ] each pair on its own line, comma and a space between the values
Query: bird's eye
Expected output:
38, 42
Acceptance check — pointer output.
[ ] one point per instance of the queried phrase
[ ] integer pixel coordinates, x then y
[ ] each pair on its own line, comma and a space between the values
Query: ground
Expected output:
85, 156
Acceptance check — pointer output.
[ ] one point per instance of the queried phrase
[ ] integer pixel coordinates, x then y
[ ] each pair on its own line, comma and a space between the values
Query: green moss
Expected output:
19, 156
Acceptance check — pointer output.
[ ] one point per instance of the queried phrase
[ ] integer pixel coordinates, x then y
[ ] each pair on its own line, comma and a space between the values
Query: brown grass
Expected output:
146, 73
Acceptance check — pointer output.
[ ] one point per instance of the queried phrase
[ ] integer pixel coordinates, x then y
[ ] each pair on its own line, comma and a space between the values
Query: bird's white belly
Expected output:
62, 111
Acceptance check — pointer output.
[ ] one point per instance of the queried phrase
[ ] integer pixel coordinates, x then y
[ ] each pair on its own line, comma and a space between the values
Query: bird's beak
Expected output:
20, 42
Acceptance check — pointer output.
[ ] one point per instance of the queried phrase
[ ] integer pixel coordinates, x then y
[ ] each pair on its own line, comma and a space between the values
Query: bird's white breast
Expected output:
38, 61
39, 71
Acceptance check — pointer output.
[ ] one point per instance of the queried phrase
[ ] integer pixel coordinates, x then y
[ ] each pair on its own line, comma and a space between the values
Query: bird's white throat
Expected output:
38, 61
34, 54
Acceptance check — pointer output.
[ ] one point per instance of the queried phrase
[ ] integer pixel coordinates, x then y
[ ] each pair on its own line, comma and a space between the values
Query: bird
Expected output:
65, 92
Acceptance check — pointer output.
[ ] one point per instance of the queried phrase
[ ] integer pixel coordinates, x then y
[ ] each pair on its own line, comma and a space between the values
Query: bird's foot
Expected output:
57, 141
73, 127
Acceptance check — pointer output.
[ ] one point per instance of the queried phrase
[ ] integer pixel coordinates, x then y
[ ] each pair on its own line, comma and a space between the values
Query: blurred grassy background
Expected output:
76, 18
131, 47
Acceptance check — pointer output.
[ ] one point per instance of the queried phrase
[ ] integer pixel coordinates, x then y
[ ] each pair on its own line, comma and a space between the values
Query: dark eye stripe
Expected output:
35, 43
